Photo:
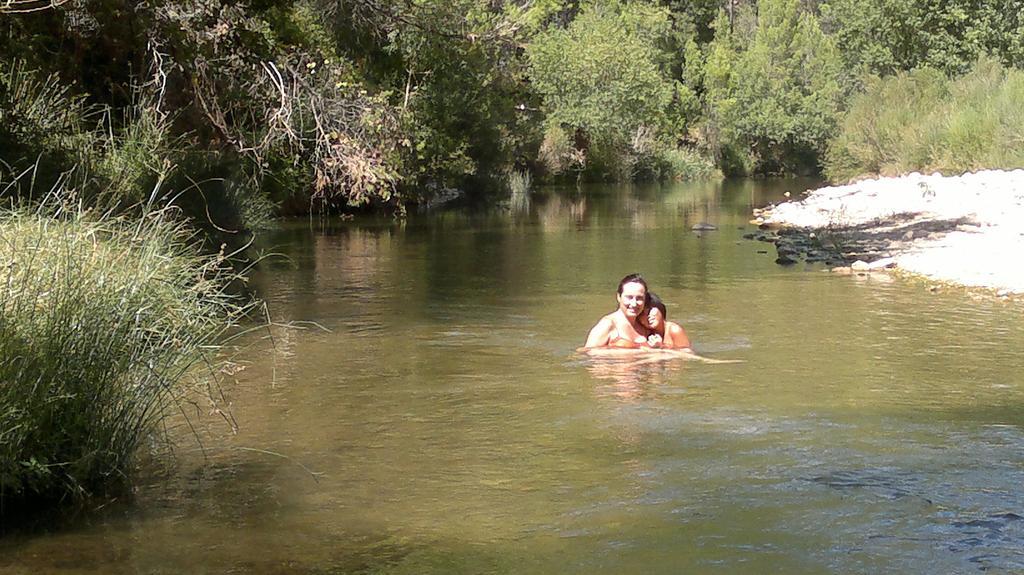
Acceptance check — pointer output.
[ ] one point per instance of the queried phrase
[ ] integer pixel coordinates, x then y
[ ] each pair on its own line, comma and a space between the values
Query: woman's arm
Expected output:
600, 333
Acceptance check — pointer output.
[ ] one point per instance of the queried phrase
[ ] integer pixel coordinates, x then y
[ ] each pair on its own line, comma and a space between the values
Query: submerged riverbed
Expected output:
436, 420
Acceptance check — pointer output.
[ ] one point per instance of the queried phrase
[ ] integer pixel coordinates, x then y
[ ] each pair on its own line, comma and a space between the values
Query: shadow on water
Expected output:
203, 512
887, 484
987, 540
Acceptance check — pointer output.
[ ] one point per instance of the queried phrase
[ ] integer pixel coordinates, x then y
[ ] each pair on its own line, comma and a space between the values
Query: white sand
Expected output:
985, 251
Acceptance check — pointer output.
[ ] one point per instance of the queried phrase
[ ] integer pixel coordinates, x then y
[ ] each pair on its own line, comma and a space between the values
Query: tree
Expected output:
602, 78
885, 36
455, 70
781, 97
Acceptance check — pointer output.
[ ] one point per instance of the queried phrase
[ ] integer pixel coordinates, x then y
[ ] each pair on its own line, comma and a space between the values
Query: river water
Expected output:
425, 412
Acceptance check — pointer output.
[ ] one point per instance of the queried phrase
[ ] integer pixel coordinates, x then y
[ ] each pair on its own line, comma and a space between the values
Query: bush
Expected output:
42, 129
115, 159
686, 164
601, 79
558, 153
103, 323
923, 121
983, 121
883, 132
780, 97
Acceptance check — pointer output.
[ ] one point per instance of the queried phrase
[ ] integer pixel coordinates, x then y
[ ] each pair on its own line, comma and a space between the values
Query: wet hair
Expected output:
632, 279
654, 301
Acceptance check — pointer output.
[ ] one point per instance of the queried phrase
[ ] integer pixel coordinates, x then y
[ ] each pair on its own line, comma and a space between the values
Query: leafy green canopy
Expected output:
886, 36
454, 72
306, 103
778, 100
613, 106
249, 99
601, 74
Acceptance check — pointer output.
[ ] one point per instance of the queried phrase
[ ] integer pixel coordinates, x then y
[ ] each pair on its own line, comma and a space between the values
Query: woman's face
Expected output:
631, 300
653, 319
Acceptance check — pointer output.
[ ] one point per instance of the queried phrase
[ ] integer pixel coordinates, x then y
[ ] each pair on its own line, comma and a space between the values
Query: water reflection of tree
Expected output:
644, 204
519, 203
351, 259
563, 211
310, 266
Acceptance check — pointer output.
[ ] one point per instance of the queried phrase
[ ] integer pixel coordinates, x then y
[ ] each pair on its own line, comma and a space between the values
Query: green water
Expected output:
436, 420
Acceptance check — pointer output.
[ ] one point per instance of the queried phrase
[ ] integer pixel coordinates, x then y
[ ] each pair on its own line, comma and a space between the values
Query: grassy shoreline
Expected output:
923, 121
106, 324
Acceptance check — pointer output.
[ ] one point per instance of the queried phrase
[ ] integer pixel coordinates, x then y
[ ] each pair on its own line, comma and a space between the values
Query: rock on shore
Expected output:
967, 229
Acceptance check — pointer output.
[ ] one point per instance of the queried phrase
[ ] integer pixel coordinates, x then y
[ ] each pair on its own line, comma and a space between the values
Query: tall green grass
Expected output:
116, 158
684, 164
923, 121
106, 324
519, 182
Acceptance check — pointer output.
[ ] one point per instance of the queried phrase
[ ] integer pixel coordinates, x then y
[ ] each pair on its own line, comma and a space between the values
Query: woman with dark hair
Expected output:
661, 332
622, 327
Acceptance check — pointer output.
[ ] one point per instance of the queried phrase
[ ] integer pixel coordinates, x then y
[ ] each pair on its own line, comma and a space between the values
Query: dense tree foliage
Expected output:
240, 108
601, 73
779, 97
603, 85
887, 36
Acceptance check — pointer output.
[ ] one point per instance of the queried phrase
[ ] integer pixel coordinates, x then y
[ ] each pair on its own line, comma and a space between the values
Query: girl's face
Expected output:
653, 318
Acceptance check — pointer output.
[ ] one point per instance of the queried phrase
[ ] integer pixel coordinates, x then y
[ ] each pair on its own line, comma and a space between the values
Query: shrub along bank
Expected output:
924, 121
105, 326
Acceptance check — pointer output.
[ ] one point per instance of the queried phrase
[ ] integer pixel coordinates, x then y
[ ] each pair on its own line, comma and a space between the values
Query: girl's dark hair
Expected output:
654, 301
632, 279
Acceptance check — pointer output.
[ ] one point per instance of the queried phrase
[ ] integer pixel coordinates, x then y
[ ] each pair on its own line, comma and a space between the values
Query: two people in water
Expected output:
640, 322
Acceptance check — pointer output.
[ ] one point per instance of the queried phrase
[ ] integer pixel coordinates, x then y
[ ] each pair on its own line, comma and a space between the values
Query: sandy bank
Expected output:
967, 229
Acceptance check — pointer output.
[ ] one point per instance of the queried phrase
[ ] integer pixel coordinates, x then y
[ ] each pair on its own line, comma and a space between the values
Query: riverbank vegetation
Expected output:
924, 121
106, 326
248, 109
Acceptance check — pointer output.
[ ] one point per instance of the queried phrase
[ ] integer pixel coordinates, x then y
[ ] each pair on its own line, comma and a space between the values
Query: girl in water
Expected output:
639, 329
662, 333
638, 324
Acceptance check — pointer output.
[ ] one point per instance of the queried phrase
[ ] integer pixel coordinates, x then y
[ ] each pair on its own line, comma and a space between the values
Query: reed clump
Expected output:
924, 121
106, 325
520, 182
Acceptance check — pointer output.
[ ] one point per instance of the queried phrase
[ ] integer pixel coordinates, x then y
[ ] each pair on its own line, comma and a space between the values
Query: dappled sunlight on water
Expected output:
435, 418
